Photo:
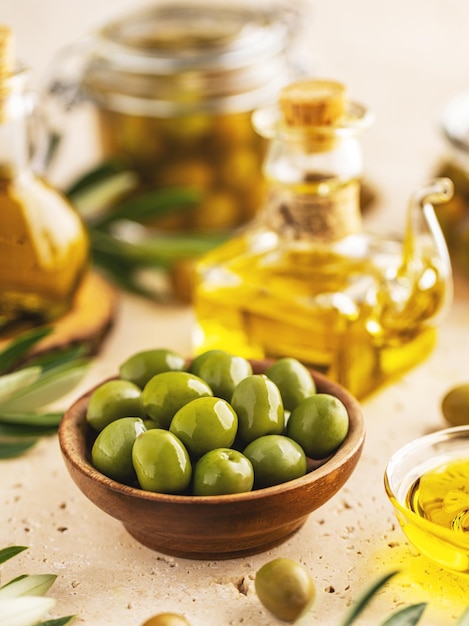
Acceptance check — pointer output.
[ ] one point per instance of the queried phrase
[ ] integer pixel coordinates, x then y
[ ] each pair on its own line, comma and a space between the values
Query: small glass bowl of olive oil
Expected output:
427, 482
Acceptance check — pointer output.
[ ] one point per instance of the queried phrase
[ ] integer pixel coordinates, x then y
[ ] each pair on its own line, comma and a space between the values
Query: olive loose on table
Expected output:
455, 405
285, 588
167, 619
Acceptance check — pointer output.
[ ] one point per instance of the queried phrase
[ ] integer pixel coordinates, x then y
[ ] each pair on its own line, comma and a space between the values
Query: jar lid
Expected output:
182, 52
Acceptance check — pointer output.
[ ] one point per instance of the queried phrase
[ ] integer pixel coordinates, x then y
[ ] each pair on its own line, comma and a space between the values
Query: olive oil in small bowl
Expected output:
427, 482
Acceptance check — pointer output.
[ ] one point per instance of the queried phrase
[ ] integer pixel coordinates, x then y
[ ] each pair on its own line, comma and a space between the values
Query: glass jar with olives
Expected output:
173, 87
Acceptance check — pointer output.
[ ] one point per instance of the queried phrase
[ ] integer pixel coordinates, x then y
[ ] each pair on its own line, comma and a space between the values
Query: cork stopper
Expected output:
6, 64
313, 103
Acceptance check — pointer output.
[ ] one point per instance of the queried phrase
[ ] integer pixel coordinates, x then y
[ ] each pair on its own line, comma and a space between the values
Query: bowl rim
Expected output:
71, 435
422, 442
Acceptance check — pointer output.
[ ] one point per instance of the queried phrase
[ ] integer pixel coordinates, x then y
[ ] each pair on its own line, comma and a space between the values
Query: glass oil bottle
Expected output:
304, 279
43, 243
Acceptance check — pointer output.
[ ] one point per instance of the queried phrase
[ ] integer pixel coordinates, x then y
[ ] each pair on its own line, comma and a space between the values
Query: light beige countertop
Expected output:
405, 60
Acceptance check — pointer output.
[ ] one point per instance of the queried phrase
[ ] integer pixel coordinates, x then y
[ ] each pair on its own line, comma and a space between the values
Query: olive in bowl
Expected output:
213, 526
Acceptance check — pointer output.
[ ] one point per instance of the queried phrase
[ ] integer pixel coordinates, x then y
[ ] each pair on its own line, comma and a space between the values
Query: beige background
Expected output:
405, 59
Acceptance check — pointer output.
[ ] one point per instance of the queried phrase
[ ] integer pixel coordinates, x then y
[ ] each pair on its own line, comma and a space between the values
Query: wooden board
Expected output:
89, 320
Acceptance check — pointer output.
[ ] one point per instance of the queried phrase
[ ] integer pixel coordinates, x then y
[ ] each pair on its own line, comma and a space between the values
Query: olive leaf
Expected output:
25, 391
19, 347
21, 599
51, 385
365, 598
93, 201
409, 616
110, 198
60, 621
24, 611
11, 448
13, 383
11, 551
36, 585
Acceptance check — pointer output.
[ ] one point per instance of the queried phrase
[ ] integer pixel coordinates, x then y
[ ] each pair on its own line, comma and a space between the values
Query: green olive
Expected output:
275, 459
222, 471
285, 588
166, 619
142, 366
223, 371
197, 362
111, 453
204, 424
319, 424
293, 379
112, 400
161, 462
455, 405
258, 404
166, 393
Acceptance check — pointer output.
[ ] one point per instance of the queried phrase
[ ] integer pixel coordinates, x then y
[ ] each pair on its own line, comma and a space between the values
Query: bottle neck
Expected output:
15, 109
314, 193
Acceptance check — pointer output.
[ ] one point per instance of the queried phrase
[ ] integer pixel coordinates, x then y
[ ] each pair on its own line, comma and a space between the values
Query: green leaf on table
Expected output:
60, 621
19, 347
14, 383
10, 552
34, 425
24, 611
49, 360
365, 598
36, 585
47, 420
14, 448
409, 616
51, 385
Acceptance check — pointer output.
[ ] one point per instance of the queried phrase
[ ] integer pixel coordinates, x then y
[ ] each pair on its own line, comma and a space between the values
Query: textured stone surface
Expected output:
405, 60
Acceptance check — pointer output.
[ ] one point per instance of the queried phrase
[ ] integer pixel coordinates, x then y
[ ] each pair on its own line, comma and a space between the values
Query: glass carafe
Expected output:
304, 279
43, 242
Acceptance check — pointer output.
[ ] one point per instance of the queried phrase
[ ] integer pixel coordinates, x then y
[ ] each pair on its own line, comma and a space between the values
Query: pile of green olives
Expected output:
210, 426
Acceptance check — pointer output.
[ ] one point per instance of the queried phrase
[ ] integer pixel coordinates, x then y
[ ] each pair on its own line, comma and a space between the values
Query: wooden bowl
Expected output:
213, 527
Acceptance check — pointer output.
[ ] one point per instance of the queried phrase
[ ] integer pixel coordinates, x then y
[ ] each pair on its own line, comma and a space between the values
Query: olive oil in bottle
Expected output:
43, 242
304, 280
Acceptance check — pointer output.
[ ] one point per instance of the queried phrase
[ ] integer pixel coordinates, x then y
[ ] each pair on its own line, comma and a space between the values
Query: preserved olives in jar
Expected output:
173, 87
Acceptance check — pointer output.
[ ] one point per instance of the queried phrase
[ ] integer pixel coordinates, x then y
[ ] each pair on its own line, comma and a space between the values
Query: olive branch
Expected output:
117, 213
408, 616
29, 385
22, 599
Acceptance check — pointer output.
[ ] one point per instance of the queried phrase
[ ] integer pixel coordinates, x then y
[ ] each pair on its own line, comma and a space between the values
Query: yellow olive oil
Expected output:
349, 310
441, 495
43, 253
304, 280
43, 242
